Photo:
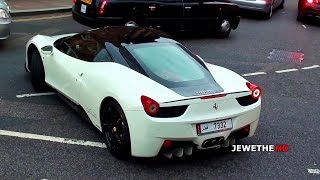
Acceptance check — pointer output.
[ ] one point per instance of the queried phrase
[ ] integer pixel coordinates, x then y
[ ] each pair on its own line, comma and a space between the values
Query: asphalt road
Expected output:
290, 110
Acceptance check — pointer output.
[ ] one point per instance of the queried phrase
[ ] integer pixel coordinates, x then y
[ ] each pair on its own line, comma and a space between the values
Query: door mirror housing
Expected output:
47, 50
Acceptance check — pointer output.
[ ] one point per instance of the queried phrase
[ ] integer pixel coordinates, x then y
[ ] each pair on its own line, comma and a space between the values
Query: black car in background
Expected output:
169, 15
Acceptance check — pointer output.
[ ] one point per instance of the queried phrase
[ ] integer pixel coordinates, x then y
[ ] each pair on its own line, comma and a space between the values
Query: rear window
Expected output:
170, 64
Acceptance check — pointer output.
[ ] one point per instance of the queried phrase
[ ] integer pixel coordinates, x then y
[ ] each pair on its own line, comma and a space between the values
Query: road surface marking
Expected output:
314, 171
52, 139
254, 74
286, 70
35, 94
310, 67
304, 26
42, 18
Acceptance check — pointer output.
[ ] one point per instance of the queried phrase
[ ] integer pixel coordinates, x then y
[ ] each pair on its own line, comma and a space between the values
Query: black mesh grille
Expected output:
168, 112
246, 100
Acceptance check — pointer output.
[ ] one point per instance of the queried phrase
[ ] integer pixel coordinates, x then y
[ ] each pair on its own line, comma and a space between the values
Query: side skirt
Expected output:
75, 107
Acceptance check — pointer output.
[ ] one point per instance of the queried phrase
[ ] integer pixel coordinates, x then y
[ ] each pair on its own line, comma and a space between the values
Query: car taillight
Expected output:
167, 144
255, 90
151, 107
102, 6
313, 1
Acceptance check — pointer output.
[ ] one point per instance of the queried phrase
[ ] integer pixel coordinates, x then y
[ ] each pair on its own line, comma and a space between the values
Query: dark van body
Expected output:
169, 15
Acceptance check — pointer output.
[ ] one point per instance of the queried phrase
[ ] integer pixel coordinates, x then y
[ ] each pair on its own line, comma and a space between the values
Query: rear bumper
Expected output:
96, 21
310, 10
254, 5
5, 28
148, 134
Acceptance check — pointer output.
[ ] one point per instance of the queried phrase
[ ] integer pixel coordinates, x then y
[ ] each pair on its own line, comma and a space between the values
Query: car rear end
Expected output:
309, 8
213, 106
99, 13
5, 20
254, 5
177, 128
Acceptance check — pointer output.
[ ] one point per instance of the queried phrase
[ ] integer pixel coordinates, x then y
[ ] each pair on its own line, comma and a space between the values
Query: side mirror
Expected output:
47, 50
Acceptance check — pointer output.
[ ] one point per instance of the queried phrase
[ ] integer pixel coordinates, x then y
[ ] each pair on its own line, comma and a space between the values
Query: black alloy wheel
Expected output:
115, 130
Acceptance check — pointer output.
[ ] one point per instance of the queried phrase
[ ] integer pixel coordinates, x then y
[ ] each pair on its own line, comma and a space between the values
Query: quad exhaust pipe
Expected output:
208, 143
179, 152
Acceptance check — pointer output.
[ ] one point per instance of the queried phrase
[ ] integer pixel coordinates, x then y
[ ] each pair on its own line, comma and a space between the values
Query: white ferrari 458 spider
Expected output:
147, 93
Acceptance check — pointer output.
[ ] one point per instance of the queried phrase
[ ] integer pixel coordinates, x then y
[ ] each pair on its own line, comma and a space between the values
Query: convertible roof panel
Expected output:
123, 35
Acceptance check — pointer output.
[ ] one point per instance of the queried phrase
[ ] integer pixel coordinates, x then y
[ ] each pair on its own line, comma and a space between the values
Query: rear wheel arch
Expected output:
103, 104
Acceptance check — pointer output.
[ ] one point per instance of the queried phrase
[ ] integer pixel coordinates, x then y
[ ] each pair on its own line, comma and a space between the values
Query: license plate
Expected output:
87, 1
83, 8
216, 126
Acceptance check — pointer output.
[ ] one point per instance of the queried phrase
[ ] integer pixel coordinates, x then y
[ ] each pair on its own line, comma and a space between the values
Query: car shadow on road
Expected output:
3, 45
252, 15
311, 22
197, 157
193, 35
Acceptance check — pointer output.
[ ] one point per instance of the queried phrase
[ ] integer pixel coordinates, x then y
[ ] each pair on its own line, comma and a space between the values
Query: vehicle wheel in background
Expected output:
224, 29
301, 17
131, 24
282, 5
268, 14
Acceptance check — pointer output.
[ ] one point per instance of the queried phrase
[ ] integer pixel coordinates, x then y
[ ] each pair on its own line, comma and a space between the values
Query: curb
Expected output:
32, 12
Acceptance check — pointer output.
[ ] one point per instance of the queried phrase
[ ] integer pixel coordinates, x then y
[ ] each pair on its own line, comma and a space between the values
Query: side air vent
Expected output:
246, 100
169, 112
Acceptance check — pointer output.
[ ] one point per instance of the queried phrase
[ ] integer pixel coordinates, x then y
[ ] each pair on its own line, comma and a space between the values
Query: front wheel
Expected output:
38, 73
116, 130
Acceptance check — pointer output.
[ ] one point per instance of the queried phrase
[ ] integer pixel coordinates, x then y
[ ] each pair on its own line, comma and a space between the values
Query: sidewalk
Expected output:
33, 7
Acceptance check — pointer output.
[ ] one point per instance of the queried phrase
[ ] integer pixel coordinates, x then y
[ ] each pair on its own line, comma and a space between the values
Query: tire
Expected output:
282, 4
131, 24
301, 17
269, 14
224, 29
115, 130
38, 73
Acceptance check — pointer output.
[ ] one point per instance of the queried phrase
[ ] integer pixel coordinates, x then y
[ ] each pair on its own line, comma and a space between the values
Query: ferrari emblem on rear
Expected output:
215, 106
